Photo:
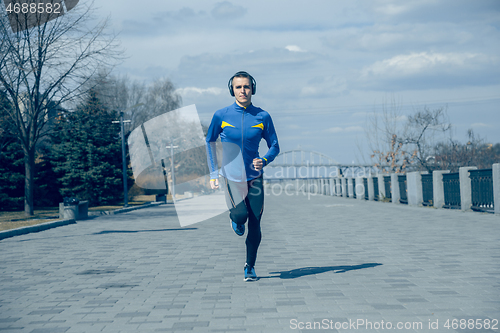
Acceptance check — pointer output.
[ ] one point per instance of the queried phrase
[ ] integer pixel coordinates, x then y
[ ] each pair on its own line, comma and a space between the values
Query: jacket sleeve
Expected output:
212, 135
272, 141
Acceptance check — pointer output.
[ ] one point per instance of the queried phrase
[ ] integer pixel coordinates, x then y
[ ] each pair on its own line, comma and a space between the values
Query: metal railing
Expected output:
403, 193
427, 190
387, 186
451, 184
375, 188
482, 190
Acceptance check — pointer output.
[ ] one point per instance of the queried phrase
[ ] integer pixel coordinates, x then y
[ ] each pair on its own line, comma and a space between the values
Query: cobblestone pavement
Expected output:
333, 264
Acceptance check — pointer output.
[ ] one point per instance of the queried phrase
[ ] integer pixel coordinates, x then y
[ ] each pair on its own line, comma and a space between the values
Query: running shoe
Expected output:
239, 229
250, 274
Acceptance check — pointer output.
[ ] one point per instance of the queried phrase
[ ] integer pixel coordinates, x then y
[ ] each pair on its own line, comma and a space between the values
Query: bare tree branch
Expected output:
401, 143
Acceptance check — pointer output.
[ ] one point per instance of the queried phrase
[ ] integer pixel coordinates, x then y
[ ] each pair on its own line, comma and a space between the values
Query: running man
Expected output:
241, 126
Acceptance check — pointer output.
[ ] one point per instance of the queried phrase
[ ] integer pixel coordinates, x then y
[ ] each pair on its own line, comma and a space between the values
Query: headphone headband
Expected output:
242, 73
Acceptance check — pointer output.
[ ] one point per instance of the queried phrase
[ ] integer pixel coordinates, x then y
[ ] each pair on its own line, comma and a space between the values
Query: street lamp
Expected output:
124, 156
171, 146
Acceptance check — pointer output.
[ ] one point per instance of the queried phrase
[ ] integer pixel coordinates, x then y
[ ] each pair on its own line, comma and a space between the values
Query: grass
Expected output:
17, 219
382, 198
13, 220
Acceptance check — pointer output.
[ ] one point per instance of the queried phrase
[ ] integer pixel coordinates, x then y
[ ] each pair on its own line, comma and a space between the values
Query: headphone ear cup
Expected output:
230, 86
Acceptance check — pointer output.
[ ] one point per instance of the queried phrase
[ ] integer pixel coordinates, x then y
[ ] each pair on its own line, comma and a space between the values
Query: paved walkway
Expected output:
347, 265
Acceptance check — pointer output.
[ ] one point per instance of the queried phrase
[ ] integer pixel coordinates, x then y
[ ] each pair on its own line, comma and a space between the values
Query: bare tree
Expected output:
43, 67
119, 93
141, 102
399, 143
453, 154
384, 132
161, 98
6, 130
423, 129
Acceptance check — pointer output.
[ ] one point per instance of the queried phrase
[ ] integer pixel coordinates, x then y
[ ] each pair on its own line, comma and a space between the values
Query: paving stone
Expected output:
320, 258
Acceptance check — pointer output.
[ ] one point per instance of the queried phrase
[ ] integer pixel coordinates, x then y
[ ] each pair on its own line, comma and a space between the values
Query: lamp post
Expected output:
124, 155
124, 162
171, 146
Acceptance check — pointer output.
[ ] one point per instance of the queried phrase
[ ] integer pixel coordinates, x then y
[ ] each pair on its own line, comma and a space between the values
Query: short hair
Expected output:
243, 74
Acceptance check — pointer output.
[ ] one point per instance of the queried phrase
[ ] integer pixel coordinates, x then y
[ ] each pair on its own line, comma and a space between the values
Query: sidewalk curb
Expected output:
124, 210
35, 228
129, 209
59, 223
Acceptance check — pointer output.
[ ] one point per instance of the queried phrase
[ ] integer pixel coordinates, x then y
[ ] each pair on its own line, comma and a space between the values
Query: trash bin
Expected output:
161, 198
70, 208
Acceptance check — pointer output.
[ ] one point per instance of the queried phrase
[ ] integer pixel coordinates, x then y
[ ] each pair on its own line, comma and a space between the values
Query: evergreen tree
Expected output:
11, 161
87, 153
46, 183
11, 177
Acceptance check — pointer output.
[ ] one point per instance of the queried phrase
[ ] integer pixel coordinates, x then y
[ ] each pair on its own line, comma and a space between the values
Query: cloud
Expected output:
181, 15
294, 48
401, 118
391, 9
354, 129
415, 63
476, 125
226, 10
431, 10
335, 130
405, 37
163, 23
199, 91
362, 114
269, 66
323, 87
426, 70
348, 129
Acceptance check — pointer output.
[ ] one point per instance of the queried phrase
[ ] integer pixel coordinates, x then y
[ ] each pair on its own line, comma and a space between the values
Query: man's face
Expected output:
242, 89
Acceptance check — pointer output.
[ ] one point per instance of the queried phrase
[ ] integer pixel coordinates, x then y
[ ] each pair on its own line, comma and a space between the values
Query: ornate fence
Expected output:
387, 186
403, 194
451, 183
427, 190
482, 190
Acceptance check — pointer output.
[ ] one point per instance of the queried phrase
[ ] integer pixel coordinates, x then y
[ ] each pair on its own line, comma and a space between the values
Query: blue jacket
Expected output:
240, 130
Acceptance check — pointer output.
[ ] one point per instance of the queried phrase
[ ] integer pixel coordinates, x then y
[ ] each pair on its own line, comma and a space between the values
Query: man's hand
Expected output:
258, 164
214, 183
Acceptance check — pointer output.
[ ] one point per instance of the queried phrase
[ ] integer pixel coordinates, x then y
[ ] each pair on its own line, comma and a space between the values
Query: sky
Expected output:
322, 67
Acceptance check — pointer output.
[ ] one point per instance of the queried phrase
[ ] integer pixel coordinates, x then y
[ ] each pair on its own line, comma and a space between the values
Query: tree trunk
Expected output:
29, 180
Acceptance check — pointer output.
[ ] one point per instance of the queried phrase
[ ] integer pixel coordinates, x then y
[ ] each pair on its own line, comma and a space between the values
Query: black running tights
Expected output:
246, 202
